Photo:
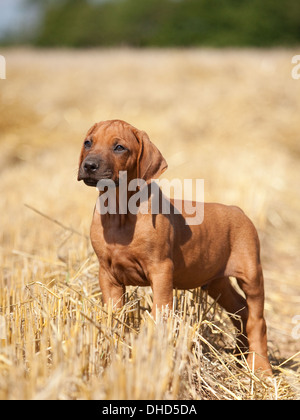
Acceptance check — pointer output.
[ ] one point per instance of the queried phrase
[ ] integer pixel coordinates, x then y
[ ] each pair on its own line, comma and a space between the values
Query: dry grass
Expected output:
230, 117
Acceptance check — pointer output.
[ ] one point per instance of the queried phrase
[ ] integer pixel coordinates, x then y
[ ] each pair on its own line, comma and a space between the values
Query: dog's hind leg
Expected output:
252, 284
234, 303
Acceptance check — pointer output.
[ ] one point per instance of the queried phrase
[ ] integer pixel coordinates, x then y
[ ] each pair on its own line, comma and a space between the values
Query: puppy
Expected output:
162, 250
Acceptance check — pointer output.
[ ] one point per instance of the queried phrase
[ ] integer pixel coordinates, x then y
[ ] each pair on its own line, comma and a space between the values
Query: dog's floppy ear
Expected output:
150, 162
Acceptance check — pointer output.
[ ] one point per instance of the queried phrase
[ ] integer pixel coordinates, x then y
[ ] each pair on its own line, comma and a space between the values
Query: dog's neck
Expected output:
121, 206
117, 211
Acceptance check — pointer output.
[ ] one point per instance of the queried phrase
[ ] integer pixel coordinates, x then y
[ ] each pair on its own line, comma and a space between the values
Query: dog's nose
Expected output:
90, 165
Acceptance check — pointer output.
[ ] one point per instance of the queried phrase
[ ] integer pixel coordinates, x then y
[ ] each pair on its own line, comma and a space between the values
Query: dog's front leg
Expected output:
161, 280
111, 289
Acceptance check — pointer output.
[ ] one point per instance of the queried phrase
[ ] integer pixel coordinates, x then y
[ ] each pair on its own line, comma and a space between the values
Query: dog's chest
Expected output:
119, 259
123, 265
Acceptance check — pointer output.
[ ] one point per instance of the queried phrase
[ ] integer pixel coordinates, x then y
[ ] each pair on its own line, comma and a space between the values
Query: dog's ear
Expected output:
150, 162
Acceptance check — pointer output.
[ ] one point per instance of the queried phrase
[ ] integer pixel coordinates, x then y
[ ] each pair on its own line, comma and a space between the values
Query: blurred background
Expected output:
210, 81
162, 23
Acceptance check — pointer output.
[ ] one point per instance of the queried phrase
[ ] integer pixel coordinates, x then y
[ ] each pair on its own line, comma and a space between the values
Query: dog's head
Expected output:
113, 146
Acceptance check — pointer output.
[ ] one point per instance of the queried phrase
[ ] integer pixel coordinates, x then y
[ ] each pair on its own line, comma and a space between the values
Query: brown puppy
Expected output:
161, 250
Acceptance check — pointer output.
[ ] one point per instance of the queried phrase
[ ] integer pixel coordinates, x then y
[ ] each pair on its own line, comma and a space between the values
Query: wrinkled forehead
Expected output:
108, 131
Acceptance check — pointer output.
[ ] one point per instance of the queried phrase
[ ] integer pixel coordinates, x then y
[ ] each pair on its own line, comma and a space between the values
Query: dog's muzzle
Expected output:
91, 171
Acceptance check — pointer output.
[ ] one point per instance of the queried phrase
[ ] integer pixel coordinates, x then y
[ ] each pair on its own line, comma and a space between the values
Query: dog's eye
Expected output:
88, 144
119, 148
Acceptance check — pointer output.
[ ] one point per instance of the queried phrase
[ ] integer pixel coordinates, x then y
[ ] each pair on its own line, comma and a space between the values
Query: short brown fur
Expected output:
163, 251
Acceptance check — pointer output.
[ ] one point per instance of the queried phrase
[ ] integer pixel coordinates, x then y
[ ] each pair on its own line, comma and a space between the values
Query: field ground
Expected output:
228, 116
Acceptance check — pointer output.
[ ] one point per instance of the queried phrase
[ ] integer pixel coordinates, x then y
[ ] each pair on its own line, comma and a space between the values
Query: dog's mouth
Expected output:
91, 178
92, 182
